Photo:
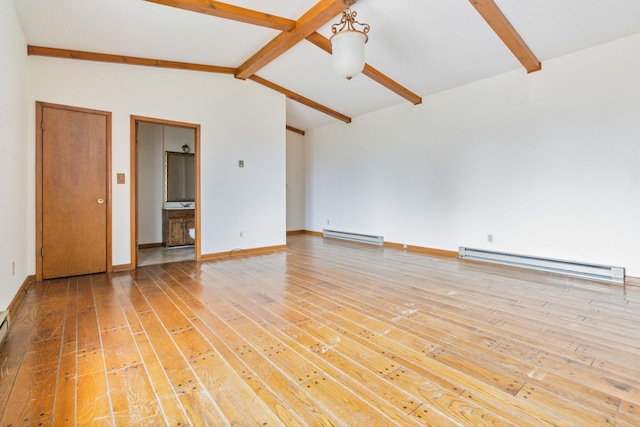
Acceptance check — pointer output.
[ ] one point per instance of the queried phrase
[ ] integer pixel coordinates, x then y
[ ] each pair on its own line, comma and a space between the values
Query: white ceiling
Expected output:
425, 45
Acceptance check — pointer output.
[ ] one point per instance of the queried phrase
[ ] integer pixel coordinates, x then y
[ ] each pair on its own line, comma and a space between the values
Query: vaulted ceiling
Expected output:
416, 47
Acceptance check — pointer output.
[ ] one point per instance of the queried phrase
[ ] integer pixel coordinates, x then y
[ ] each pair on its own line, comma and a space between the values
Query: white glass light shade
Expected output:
348, 52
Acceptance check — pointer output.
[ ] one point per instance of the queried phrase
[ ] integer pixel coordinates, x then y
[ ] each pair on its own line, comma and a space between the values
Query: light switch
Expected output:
120, 178
240, 163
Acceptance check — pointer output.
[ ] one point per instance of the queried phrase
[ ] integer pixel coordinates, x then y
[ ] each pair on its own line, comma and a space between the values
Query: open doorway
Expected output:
165, 191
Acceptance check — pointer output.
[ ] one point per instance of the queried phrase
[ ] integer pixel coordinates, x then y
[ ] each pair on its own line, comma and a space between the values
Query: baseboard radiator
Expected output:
4, 325
570, 268
354, 237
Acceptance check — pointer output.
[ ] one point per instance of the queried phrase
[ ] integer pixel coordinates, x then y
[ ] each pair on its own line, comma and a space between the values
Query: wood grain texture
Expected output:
123, 59
229, 11
295, 130
239, 252
301, 99
499, 23
18, 299
321, 13
325, 44
73, 146
328, 332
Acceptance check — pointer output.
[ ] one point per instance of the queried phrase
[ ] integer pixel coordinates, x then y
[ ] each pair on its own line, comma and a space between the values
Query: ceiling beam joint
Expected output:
314, 18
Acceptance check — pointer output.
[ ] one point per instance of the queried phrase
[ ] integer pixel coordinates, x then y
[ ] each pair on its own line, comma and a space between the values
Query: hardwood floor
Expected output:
326, 333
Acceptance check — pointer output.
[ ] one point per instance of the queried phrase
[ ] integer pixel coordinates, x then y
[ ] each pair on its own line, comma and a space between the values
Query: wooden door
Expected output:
75, 214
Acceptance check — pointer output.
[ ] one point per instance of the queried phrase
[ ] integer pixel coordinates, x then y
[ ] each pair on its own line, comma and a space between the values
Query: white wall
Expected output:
13, 159
546, 162
239, 120
150, 182
295, 181
175, 137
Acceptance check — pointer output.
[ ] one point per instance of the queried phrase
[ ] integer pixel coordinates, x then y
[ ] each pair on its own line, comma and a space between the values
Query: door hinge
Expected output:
42, 252
41, 124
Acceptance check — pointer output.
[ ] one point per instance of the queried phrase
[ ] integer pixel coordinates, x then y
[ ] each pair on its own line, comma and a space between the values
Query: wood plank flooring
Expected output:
326, 333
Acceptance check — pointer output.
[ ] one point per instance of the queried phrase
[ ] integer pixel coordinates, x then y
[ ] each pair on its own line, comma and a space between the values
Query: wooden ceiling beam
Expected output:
321, 41
132, 60
325, 44
492, 14
301, 99
390, 84
314, 18
296, 130
122, 59
228, 11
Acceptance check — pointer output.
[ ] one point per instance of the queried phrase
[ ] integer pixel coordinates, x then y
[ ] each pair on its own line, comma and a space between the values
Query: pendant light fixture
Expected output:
347, 44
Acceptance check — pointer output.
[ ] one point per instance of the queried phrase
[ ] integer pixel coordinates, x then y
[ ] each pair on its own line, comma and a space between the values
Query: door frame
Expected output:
134, 181
40, 106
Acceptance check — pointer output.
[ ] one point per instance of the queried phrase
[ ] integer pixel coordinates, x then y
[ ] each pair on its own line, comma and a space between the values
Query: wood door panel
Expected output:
176, 232
189, 223
74, 192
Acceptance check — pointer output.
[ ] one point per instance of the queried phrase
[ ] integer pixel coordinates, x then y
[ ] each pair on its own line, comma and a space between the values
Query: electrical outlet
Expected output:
242, 234
120, 178
240, 163
328, 222
490, 238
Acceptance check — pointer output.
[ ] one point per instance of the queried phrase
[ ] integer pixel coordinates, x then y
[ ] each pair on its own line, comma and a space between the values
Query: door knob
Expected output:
100, 201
